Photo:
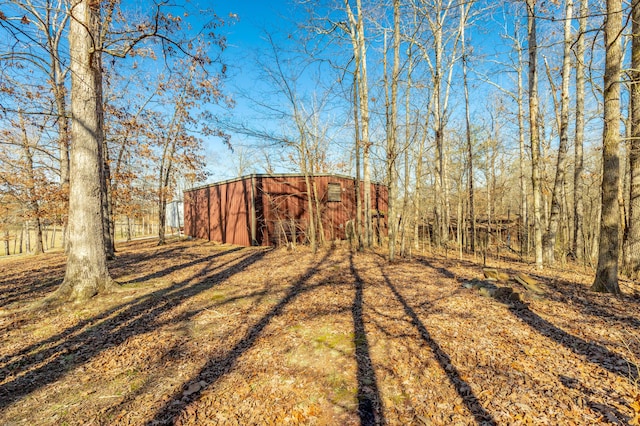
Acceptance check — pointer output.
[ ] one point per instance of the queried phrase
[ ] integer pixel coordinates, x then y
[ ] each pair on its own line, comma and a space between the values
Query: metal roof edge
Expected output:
276, 175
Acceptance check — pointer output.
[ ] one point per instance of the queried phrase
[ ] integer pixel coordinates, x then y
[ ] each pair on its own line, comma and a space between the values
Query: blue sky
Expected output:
246, 38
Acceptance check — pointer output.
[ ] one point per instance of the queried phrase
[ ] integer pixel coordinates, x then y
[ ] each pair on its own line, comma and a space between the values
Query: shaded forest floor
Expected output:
212, 334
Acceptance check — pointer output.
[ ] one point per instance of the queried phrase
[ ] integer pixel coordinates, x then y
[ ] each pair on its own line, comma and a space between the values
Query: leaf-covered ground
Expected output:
209, 334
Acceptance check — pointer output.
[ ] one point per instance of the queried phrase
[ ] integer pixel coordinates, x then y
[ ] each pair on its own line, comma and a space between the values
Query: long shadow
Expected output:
481, 415
65, 334
30, 291
124, 259
219, 366
45, 279
370, 407
593, 353
576, 295
444, 271
68, 351
173, 268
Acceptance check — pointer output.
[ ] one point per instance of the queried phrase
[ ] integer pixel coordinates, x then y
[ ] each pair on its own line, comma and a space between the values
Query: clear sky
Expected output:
491, 51
247, 21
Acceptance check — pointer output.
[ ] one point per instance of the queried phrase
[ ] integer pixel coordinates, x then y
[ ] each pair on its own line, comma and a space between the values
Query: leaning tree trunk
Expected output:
606, 279
87, 273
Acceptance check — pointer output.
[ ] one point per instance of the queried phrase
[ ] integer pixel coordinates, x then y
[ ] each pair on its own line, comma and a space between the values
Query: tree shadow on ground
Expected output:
26, 283
218, 367
370, 408
440, 269
49, 360
606, 411
63, 335
470, 400
592, 352
593, 304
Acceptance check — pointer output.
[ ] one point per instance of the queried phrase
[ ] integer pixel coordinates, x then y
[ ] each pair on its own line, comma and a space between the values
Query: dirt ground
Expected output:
212, 334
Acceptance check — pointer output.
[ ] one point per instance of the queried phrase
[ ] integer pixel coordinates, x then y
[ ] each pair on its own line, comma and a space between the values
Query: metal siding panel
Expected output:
221, 212
238, 213
214, 213
284, 201
188, 213
201, 222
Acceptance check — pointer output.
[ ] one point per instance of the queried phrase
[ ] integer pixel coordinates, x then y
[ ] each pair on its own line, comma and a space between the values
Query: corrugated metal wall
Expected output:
223, 212
229, 212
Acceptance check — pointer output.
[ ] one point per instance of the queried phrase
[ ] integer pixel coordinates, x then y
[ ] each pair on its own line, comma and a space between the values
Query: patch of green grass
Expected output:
398, 398
343, 391
218, 297
332, 339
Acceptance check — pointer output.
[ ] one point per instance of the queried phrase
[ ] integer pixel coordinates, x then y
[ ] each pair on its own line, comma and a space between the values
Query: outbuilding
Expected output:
261, 209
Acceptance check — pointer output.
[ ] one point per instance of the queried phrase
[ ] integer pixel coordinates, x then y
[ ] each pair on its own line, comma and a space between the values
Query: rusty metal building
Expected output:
273, 209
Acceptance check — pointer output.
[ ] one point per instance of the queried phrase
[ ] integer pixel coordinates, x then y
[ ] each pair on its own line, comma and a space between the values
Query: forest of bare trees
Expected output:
497, 126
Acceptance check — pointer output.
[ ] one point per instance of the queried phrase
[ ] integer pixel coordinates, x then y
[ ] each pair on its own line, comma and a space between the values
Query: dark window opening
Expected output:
334, 192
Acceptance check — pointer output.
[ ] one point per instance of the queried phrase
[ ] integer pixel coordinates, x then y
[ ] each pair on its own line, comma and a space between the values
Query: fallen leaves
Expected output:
211, 334
635, 405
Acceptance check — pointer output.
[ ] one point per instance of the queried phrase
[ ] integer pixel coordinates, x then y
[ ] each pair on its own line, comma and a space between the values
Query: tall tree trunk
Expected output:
86, 274
632, 234
606, 279
408, 219
472, 211
563, 130
312, 225
440, 225
524, 201
34, 205
360, 53
107, 208
534, 131
364, 115
579, 243
318, 207
391, 132
60, 93
358, 218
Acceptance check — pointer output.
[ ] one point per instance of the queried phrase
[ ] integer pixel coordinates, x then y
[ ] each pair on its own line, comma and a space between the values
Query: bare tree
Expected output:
563, 121
355, 29
579, 245
392, 114
606, 279
464, 12
534, 131
87, 273
631, 260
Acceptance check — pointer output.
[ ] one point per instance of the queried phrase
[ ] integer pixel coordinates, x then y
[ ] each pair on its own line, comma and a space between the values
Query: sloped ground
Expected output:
209, 334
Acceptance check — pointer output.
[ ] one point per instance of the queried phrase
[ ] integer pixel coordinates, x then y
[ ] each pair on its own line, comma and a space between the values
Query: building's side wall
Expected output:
196, 214
229, 212
189, 213
223, 212
283, 209
219, 213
